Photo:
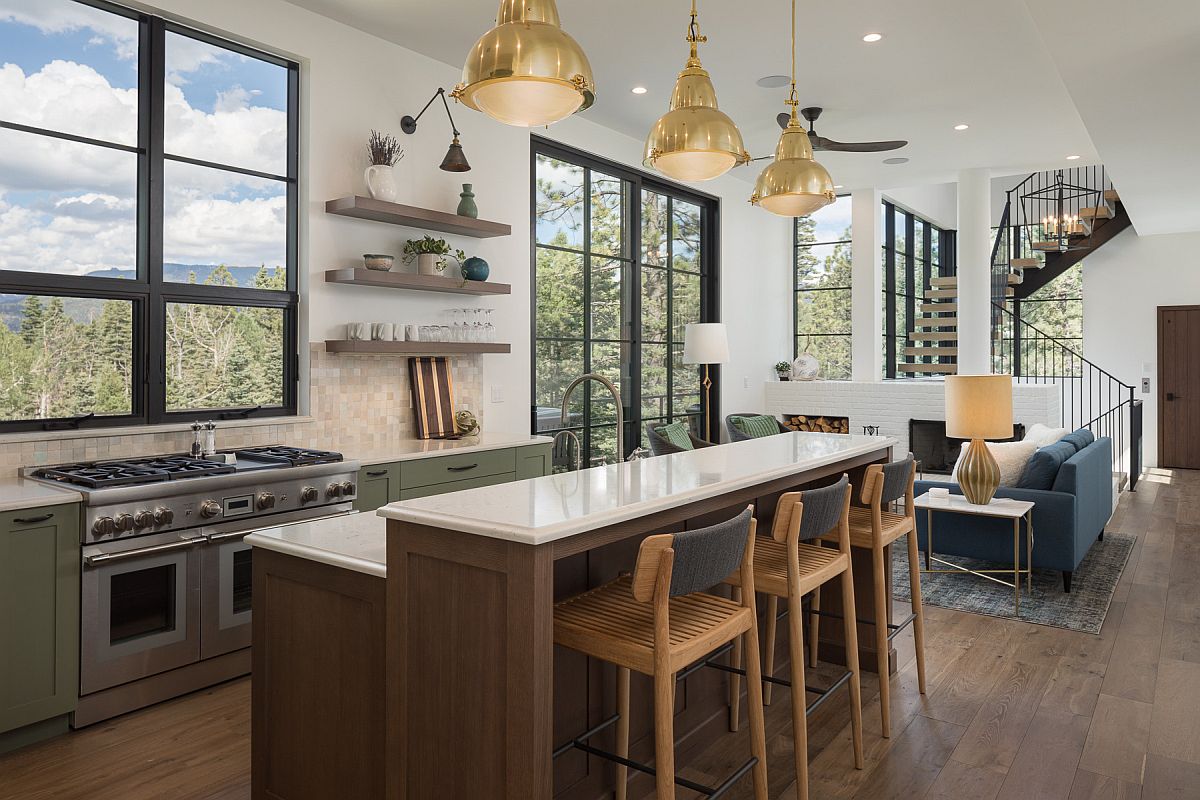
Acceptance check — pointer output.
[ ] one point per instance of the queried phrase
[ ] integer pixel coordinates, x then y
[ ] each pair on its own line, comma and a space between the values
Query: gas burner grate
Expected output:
132, 472
290, 456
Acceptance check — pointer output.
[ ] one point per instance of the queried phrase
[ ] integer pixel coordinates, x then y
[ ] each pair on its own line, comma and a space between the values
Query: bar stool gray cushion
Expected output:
706, 556
895, 478
823, 508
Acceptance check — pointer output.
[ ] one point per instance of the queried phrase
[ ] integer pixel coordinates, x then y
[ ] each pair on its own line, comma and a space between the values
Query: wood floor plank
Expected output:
1074, 687
1169, 779
1091, 786
961, 695
1117, 740
958, 780
995, 734
1133, 665
1181, 641
1175, 726
1045, 764
914, 762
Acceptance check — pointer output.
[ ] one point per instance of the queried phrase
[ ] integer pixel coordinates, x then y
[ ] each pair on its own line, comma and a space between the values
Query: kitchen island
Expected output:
477, 696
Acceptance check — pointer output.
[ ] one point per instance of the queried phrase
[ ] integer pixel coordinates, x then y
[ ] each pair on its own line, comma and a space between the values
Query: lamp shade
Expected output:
979, 406
705, 343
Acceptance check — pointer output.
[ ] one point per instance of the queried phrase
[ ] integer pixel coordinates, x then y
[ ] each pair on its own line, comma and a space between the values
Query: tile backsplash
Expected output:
358, 403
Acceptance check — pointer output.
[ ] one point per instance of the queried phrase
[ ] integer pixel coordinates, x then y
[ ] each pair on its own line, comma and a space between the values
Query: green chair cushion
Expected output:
756, 427
676, 433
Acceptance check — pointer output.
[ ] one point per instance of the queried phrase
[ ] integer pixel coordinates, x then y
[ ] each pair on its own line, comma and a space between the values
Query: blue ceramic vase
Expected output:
475, 269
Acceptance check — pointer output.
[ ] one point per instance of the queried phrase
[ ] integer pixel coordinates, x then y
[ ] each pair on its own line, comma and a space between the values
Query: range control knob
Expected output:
333, 490
103, 526
164, 516
210, 508
308, 494
266, 500
123, 522
347, 489
143, 519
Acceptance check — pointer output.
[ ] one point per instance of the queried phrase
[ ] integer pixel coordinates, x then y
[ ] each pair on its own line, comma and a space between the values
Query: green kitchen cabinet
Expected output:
533, 461
380, 484
456, 468
39, 619
456, 486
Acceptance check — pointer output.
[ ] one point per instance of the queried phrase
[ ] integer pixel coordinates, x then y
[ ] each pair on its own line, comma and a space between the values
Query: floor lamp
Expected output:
706, 343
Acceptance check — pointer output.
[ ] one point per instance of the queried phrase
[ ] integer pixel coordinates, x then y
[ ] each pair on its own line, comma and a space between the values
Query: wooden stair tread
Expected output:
933, 336
933, 352
1111, 195
1096, 212
1049, 246
936, 322
948, 294
938, 308
1026, 263
949, 282
935, 369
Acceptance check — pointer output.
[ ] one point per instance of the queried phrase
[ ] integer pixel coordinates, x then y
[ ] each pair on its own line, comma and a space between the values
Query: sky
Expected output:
70, 208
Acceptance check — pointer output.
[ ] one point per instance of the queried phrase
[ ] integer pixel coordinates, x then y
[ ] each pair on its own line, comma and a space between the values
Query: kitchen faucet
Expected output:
592, 376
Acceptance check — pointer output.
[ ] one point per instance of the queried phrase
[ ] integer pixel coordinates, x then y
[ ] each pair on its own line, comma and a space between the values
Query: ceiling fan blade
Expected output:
783, 119
821, 143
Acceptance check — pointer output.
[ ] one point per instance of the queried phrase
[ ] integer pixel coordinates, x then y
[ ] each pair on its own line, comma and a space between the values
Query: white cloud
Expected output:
64, 16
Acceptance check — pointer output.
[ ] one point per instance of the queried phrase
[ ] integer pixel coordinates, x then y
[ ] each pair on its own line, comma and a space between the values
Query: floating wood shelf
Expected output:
407, 280
414, 348
414, 217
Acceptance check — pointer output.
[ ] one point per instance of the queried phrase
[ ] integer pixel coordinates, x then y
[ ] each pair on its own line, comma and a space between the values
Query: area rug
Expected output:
1084, 609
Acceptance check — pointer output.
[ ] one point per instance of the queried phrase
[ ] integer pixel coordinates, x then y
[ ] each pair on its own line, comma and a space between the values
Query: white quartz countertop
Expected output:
545, 509
409, 449
350, 541
17, 493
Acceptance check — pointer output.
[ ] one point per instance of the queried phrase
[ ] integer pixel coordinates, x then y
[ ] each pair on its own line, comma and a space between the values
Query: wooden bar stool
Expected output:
873, 528
660, 621
785, 566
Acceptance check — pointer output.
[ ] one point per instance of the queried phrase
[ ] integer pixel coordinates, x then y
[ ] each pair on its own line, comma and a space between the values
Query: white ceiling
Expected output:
941, 62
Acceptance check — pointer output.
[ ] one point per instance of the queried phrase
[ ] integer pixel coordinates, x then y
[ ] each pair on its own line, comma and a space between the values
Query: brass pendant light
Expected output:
527, 70
794, 184
694, 140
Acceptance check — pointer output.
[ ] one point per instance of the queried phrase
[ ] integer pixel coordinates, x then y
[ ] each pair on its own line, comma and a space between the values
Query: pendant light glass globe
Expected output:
527, 70
694, 140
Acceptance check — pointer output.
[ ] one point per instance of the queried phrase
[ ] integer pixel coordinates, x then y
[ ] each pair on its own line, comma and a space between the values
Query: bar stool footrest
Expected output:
708, 791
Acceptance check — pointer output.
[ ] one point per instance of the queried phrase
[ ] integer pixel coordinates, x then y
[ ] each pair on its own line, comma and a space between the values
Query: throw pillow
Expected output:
756, 427
1042, 435
1043, 467
1011, 457
676, 433
1079, 439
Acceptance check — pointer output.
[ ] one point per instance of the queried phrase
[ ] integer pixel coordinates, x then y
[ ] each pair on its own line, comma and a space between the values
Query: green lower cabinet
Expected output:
457, 486
534, 461
380, 484
39, 618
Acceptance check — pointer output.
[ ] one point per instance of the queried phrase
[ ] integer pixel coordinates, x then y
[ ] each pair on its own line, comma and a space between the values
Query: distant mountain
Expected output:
10, 304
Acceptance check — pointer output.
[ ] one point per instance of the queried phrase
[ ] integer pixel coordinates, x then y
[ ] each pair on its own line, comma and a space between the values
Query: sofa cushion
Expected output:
1010, 456
676, 433
1044, 465
1042, 435
1079, 439
756, 427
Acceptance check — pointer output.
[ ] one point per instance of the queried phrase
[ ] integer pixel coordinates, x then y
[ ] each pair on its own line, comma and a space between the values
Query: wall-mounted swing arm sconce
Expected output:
455, 160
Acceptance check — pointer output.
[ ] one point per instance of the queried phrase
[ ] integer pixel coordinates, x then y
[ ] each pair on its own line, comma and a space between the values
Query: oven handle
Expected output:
107, 558
220, 537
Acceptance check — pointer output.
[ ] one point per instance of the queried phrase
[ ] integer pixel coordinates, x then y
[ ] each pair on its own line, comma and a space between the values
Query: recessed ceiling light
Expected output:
1072, 158
961, 126
638, 90
773, 81
896, 160
872, 37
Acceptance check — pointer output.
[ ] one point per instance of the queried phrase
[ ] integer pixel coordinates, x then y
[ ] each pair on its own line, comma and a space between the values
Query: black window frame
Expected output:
631, 384
148, 292
923, 265
797, 289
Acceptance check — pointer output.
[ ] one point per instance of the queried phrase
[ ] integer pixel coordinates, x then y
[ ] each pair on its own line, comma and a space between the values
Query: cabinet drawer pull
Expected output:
32, 520
462, 468
376, 473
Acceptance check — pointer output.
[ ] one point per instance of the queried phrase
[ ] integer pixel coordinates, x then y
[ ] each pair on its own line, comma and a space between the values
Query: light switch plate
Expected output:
497, 394
1145, 386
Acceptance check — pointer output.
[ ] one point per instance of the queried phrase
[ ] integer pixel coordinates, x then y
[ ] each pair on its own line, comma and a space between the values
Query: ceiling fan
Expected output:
821, 143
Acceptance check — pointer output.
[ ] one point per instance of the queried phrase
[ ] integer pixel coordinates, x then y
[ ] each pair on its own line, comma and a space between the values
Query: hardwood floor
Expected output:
1013, 710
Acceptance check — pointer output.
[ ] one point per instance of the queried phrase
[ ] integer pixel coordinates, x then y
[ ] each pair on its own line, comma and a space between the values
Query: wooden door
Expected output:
1179, 387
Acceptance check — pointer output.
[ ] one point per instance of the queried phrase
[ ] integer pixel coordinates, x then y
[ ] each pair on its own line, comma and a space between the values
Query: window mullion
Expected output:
152, 87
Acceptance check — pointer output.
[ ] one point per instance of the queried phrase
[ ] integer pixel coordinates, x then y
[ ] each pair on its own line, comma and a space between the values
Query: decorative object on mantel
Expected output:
466, 203
783, 371
475, 269
706, 343
979, 407
527, 71
806, 367
378, 261
430, 254
870, 430
455, 160
467, 423
358, 331
384, 151
433, 397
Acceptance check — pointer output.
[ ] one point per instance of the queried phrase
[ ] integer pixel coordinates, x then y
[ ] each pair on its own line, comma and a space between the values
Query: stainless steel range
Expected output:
166, 591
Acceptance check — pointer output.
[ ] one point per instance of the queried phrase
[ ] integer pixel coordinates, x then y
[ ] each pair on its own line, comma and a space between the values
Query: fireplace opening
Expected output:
935, 451
814, 423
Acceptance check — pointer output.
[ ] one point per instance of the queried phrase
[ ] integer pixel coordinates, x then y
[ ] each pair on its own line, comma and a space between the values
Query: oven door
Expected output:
227, 579
140, 609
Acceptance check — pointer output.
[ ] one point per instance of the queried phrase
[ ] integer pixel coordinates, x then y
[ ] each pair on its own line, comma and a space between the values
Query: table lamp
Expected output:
979, 407
706, 343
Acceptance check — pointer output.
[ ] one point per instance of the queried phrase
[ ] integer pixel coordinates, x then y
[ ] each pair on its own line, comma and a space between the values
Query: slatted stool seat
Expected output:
661, 623
874, 527
787, 566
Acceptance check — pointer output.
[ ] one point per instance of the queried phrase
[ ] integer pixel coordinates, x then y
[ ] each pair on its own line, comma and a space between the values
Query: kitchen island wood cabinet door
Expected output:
39, 643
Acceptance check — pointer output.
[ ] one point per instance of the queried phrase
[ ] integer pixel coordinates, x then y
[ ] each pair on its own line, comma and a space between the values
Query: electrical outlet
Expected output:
1145, 386
497, 394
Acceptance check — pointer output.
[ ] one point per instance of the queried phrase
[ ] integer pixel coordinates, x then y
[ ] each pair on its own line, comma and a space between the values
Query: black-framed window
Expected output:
148, 222
621, 263
821, 285
915, 253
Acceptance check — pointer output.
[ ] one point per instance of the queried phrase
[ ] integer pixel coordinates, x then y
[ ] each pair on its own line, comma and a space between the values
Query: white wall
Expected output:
352, 82
1124, 283
936, 202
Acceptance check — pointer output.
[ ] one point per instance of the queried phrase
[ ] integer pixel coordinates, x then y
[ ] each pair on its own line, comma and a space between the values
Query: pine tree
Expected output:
32, 319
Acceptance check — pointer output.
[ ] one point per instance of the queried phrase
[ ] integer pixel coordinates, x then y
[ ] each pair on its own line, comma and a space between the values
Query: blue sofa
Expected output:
1066, 519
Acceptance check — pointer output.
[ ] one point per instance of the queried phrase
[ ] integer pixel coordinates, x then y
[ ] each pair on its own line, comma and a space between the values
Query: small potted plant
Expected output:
384, 151
431, 254
784, 370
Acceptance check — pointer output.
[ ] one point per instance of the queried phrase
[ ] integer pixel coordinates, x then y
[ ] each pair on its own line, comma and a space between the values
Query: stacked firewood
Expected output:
821, 424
